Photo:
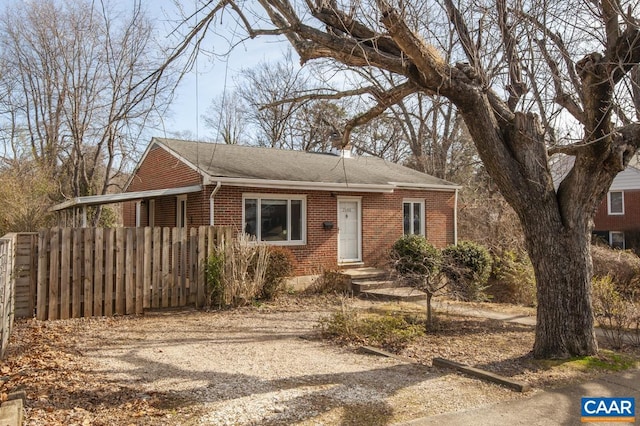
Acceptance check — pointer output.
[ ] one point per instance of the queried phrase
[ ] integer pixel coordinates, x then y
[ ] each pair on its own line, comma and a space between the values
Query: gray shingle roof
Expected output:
248, 162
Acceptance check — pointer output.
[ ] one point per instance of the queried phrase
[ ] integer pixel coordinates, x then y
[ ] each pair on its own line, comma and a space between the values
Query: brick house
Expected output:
329, 210
617, 219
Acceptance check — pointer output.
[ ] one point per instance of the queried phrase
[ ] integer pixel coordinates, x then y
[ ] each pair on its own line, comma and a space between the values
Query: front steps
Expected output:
377, 284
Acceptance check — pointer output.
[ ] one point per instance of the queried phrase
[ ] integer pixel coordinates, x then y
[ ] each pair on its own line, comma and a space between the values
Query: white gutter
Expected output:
300, 185
432, 186
213, 194
455, 218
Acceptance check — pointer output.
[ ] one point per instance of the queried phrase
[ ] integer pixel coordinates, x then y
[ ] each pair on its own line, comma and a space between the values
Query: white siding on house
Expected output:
627, 179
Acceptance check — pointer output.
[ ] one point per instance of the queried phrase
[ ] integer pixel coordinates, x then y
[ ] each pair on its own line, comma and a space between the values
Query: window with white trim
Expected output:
276, 219
616, 239
616, 202
181, 211
413, 217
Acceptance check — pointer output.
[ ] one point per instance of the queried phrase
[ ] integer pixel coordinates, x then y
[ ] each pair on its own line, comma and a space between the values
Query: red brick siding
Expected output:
382, 221
161, 170
629, 221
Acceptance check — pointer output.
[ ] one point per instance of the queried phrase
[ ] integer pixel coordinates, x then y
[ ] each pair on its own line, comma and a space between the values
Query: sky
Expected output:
198, 88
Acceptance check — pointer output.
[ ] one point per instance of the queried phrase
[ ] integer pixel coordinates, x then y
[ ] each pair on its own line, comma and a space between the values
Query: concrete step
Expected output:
405, 294
360, 285
365, 273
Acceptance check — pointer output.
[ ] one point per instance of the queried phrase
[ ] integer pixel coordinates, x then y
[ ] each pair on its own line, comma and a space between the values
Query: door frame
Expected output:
358, 201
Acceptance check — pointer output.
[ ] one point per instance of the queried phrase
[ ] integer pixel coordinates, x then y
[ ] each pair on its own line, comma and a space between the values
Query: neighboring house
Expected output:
329, 210
617, 220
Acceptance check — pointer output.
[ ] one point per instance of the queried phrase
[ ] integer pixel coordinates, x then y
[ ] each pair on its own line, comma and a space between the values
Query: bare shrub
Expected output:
617, 315
512, 279
623, 266
279, 266
467, 266
236, 272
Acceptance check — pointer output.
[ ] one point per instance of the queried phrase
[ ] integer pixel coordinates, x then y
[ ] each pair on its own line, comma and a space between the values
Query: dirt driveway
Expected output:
244, 367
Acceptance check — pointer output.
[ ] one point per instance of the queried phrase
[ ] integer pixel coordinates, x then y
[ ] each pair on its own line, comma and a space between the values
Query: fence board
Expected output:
202, 256
120, 293
109, 254
98, 273
183, 265
175, 266
7, 288
88, 272
193, 259
54, 274
33, 273
166, 273
66, 273
76, 287
129, 283
157, 253
41, 289
139, 270
148, 240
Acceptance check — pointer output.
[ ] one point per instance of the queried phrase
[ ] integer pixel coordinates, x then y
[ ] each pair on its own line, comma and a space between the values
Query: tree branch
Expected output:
385, 100
342, 23
470, 48
562, 98
516, 86
429, 63
374, 91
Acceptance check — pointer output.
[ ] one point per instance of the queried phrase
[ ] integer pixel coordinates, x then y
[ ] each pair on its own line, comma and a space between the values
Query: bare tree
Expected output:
226, 118
587, 50
261, 88
78, 88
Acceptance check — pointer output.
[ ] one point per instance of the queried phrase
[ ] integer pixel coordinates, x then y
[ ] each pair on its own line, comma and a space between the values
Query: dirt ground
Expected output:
256, 365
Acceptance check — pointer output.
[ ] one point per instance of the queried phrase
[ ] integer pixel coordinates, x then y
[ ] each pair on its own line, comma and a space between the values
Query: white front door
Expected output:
349, 231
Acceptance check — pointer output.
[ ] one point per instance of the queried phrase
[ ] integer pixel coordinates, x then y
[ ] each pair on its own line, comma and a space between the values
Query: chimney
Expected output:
337, 147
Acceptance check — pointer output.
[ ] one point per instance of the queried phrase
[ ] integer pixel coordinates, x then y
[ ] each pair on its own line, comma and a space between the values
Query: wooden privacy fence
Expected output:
7, 289
85, 272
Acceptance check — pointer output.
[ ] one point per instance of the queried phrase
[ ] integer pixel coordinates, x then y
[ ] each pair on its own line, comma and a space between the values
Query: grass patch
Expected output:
606, 360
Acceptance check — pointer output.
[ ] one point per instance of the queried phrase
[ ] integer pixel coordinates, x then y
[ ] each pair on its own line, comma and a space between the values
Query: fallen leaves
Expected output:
61, 386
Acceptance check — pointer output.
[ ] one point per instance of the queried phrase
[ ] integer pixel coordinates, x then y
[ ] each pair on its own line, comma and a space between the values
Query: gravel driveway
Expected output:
264, 366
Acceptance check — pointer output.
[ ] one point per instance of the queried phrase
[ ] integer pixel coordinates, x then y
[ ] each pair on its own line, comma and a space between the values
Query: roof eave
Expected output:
93, 200
300, 185
423, 186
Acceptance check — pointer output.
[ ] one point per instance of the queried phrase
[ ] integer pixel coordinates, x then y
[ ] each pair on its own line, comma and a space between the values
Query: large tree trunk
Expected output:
562, 262
557, 230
